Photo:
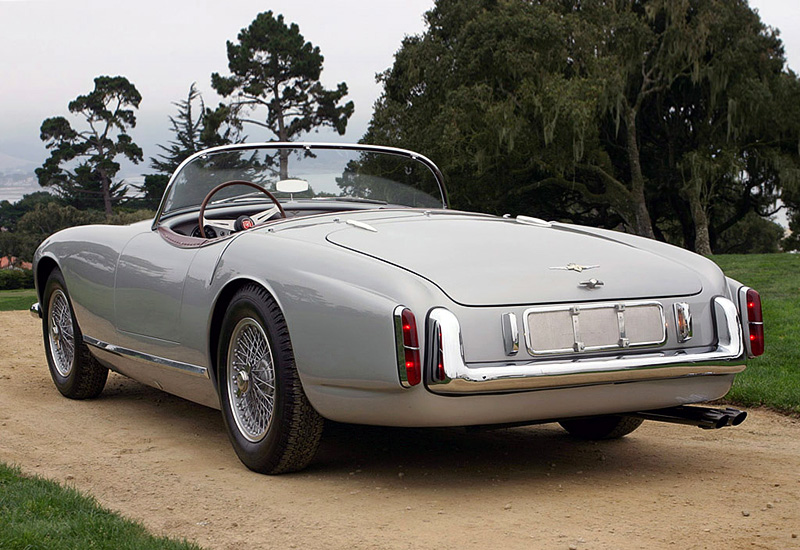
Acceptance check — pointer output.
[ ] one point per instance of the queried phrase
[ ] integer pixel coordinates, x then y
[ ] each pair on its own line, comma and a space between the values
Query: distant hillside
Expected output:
9, 163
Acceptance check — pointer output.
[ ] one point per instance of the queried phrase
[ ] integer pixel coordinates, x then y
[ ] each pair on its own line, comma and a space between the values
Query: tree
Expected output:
631, 113
273, 67
10, 213
82, 164
195, 127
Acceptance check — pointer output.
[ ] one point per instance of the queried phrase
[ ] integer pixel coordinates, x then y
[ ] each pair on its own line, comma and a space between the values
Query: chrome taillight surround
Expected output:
409, 363
683, 321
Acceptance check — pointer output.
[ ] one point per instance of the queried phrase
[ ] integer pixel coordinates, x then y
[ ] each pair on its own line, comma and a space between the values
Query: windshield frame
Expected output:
437, 174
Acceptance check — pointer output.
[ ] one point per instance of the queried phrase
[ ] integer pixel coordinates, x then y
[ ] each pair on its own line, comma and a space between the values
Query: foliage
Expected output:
152, 190
47, 218
11, 279
195, 127
274, 68
10, 213
751, 235
644, 115
37, 513
774, 378
82, 166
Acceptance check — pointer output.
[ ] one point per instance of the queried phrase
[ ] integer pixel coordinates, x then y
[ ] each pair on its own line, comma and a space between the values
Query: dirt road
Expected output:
167, 462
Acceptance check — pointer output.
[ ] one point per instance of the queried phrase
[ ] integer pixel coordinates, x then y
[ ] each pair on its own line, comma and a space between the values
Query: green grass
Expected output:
13, 300
37, 514
773, 379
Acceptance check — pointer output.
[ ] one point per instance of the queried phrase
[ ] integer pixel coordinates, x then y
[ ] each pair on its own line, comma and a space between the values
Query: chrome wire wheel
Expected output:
251, 379
61, 333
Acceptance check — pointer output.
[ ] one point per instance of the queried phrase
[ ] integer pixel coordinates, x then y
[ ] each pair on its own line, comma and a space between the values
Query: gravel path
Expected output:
168, 463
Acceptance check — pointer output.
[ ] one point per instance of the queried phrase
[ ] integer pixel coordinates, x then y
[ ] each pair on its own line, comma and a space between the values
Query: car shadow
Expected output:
443, 457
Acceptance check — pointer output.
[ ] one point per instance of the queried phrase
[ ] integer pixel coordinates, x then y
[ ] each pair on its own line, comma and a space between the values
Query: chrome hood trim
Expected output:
463, 378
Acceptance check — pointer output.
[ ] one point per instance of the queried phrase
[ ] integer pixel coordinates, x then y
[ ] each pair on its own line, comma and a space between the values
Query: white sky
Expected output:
50, 51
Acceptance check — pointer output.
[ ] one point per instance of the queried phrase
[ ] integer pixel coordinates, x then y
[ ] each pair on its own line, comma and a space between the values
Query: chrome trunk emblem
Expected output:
591, 283
576, 267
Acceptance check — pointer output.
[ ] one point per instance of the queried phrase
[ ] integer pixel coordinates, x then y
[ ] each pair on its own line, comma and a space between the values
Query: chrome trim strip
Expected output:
185, 368
36, 311
510, 333
361, 225
578, 345
528, 220
481, 378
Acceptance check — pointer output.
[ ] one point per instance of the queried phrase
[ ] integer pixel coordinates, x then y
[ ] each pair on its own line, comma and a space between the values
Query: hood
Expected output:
487, 261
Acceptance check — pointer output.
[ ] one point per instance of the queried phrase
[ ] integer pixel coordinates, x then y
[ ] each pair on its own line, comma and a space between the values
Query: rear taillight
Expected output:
755, 322
409, 366
434, 352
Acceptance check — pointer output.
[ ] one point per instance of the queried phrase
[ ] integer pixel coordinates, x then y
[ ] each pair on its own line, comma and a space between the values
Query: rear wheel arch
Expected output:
218, 315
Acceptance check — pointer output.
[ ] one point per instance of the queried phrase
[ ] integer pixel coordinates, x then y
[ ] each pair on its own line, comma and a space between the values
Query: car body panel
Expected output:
149, 307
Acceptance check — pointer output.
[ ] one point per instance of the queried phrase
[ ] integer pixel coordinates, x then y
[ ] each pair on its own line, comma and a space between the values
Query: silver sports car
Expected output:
287, 283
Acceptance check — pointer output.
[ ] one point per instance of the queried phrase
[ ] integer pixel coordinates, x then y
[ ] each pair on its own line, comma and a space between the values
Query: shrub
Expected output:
11, 279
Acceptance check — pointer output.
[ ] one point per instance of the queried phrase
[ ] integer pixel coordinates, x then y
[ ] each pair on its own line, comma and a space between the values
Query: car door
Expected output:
149, 286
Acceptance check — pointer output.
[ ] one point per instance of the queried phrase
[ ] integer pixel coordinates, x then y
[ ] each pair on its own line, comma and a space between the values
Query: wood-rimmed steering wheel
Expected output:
230, 225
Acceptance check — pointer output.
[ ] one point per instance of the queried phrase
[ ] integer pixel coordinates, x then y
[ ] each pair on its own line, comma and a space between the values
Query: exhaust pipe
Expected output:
702, 417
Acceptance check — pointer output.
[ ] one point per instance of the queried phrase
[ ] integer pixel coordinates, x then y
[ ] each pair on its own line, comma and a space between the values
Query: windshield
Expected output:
382, 176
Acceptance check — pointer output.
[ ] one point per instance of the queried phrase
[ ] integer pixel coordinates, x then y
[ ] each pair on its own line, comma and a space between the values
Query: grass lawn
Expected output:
12, 300
36, 513
773, 379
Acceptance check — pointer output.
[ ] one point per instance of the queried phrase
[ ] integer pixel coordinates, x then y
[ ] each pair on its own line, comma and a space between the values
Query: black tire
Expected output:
75, 372
285, 438
601, 427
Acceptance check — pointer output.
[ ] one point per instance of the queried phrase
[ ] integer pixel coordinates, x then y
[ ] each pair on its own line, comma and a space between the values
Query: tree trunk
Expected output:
283, 153
644, 226
106, 193
702, 241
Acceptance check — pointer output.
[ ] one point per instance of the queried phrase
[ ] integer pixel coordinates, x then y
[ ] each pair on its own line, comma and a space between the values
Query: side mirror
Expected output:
291, 186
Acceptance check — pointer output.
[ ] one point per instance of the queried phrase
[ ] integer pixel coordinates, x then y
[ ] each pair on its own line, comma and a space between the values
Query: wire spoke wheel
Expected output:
75, 372
62, 336
271, 424
251, 379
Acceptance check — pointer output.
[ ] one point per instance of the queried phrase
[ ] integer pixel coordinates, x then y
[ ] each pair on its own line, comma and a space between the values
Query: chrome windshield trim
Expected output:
185, 368
437, 174
463, 378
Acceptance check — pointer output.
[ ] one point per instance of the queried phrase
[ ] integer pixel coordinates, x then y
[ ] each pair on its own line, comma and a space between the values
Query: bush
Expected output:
11, 279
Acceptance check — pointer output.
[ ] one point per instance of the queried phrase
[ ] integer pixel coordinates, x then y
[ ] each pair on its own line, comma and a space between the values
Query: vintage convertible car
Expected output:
290, 283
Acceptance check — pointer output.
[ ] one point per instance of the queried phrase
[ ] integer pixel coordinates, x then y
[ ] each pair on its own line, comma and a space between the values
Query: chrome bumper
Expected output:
36, 311
463, 378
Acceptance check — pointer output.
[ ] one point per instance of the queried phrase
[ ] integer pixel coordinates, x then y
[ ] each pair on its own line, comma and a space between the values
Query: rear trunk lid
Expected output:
488, 261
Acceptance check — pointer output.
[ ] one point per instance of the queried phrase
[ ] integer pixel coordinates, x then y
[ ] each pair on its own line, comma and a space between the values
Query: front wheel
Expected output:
271, 424
75, 372
601, 427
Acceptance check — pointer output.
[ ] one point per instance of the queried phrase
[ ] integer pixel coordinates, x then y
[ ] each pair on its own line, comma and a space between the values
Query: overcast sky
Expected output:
50, 51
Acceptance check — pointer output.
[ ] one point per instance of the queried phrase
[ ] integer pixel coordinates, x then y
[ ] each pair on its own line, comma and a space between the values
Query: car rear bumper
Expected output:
725, 358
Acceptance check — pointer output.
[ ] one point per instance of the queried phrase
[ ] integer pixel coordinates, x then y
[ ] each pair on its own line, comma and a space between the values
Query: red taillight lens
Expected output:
755, 322
754, 307
440, 364
409, 364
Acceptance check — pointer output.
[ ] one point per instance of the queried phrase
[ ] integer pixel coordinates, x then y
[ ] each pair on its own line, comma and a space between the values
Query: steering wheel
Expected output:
230, 225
